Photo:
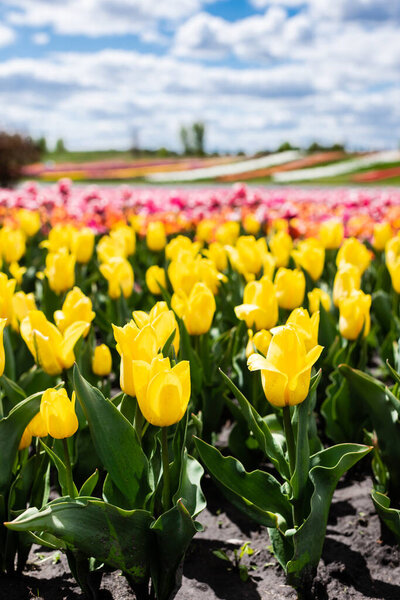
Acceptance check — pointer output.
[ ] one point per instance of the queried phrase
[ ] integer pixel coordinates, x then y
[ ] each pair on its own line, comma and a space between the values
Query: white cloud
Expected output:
7, 35
41, 38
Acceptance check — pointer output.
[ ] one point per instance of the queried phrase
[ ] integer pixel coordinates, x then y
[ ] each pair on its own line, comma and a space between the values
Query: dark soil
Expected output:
356, 562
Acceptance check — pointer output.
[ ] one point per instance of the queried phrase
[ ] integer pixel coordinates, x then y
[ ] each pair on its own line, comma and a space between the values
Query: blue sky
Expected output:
257, 72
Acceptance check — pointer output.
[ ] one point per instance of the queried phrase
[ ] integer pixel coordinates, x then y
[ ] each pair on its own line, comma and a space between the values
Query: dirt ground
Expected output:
356, 563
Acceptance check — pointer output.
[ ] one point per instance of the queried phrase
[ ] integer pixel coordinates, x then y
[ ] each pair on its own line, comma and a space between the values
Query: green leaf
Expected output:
267, 441
61, 469
174, 531
327, 467
189, 490
117, 537
89, 485
257, 494
390, 516
13, 392
125, 461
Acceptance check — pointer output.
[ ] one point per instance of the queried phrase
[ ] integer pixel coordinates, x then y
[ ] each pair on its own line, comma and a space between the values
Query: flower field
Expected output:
163, 348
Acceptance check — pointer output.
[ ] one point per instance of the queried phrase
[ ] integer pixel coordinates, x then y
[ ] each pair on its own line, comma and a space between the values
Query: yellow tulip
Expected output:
281, 245
205, 230
227, 233
286, 370
331, 234
60, 270
126, 236
156, 237
12, 244
163, 322
179, 244
251, 224
76, 307
392, 249
259, 341
109, 248
382, 234
37, 426
355, 253
290, 288
260, 304
347, 279
217, 254
394, 270
26, 439
51, 349
102, 361
133, 344
59, 237
155, 276
316, 297
163, 393
7, 287
17, 272
269, 264
119, 274
196, 310
82, 244
249, 254
310, 255
58, 413
354, 311
21, 304
3, 323
187, 271
306, 326
29, 221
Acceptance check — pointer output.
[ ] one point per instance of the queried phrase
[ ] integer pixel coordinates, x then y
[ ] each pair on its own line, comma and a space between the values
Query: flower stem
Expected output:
165, 461
139, 422
70, 481
287, 425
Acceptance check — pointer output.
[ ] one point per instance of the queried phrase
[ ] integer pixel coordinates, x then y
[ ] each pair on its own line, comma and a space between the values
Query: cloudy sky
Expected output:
257, 72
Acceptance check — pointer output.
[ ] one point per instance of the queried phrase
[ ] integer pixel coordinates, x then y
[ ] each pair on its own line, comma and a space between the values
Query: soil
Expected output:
358, 562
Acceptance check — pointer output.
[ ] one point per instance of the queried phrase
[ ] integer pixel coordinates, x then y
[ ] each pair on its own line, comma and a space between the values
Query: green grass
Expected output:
87, 156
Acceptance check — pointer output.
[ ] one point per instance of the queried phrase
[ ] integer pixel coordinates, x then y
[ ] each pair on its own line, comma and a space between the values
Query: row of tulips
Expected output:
124, 355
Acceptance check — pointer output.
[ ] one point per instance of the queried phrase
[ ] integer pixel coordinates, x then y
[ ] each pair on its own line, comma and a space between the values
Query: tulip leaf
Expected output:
11, 429
125, 461
268, 442
89, 485
14, 393
9, 364
258, 494
61, 469
327, 467
390, 516
189, 489
174, 531
382, 415
117, 537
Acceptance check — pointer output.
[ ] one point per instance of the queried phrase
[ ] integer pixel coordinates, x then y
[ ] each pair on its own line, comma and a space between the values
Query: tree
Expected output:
60, 147
41, 145
15, 152
184, 135
198, 131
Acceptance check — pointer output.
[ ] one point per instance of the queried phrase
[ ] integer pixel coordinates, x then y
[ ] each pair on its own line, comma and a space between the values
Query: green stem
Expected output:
139, 422
287, 425
165, 461
70, 481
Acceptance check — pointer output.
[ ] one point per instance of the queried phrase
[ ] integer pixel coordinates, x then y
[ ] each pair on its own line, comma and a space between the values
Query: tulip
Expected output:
76, 307
316, 297
306, 326
310, 255
354, 311
382, 234
133, 344
286, 370
331, 234
281, 246
21, 305
249, 254
12, 244
7, 287
17, 272
347, 279
394, 270
163, 392
217, 254
186, 272
156, 237
26, 439
259, 341
228, 233
59, 237
51, 349
109, 248
163, 322
126, 236
205, 230
392, 250
58, 413
102, 361
260, 304
269, 264
180, 244
60, 270
196, 310
3, 323
290, 288
355, 253
251, 225
120, 277
29, 221
37, 426
155, 277
82, 244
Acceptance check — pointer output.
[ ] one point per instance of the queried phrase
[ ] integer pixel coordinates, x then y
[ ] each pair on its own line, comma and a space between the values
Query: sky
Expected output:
107, 73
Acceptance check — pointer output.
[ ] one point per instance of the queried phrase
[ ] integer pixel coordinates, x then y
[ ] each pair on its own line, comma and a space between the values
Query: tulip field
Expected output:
199, 392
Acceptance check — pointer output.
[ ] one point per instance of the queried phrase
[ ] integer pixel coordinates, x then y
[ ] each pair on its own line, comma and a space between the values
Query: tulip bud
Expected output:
355, 253
310, 255
82, 244
26, 439
37, 426
76, 307
258, 341
155, 276
228, 233
29, 221
382, 234
60, 270
197, 310
281, 246
156, 238
249, 255
109, 248
58, 413
205, 230
316, 297
260, 304
7, 287
331, 234
217, 254
17, 272
119, 274
354, 315
251, 225
102, 361
126, 236
286, 370
162, 393
347, 279
21, 304
290, 288
12, 244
